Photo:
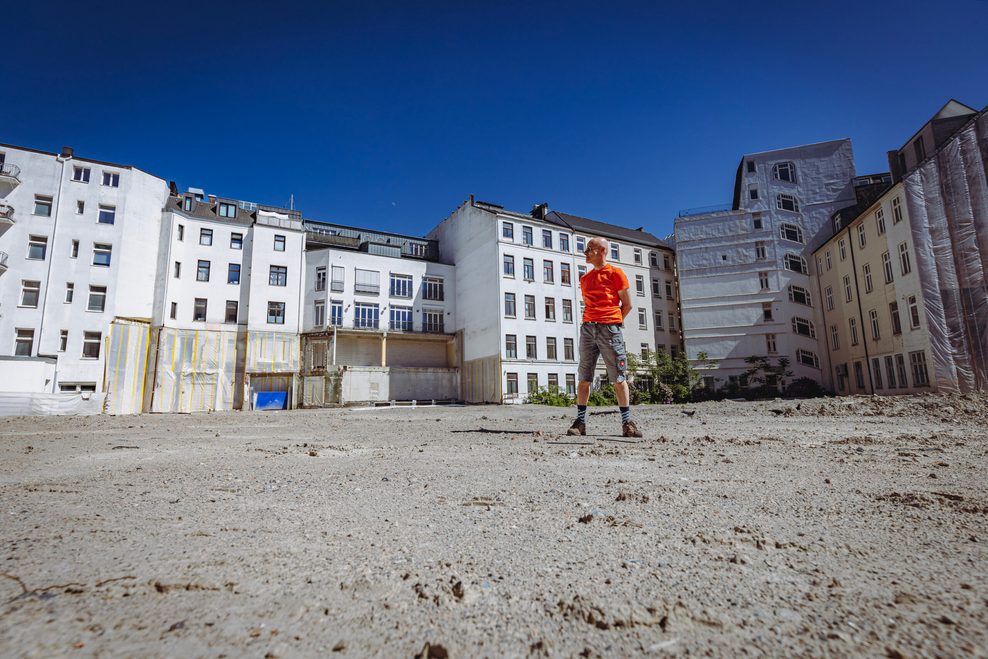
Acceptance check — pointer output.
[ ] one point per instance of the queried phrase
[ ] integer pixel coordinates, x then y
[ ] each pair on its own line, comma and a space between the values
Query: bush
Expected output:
804, 388
603, 395
550, 396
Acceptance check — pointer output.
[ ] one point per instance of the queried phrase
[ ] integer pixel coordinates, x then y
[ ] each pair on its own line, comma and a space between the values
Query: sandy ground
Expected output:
846, 527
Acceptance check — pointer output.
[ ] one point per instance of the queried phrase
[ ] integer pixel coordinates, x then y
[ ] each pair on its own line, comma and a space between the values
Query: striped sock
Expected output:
581, 413
625, 414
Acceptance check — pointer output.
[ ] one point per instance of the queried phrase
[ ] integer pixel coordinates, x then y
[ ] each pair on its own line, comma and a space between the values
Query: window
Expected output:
767, 311
750, 164
571, 384
760, 250
511, 388
672, 322
581, 244
547, 238
890, 372
905, 267
642, 318
640, 285
900, 368
69, 292
756, 220
637, 256
531, 348
174, 311
834, 337
858, 375
24, 342
656, 288
847, 289
187, 203
509, 305
861, 235
644, 351
876, 332
564, 274
803, 327
528, 269
784, 171
91, 344
336, 283
753, 195
852, 324
279, 243
276, 313
526, 235
533, 382
227, 209
786, 202
181, 232
336, 312
507, 230
401, 286
433, 288
894, 315
202, 271
111, 179
568, 353
791, 232
37, 248
842, 249
401, 318
278, 275
829, 262
74, 251
880, 221
320, 278
919, 149
530, 307
80, 207
828, 295
205, 237
511, 346
547, 272
615, 252
807, 358
30, 292
795, 263
367, 282
80, 174
550, 348
233, 274
866, 271
918, 362
42, 205
887, 266
800, 295
567, 311
63, 340
97, 299
896, 210
563, 242
666, 262
319, 313
102, 254
232, 308
199, 310
550, 309
509, 265
177, 270
876, 372
658, 320
580, 271
237, 241
913, 306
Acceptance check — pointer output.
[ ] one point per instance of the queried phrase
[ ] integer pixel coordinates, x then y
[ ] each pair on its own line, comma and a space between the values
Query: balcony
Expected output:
3, 262
6, 217
10, 174
382, 325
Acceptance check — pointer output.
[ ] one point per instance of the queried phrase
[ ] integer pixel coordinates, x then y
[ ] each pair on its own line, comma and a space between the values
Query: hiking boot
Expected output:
629, 429
578, 428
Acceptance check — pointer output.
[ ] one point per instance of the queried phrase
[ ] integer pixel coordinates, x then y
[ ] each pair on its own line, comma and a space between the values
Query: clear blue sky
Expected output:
389, 114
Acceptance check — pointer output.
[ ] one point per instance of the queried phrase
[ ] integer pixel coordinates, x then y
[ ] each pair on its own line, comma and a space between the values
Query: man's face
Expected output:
594, 254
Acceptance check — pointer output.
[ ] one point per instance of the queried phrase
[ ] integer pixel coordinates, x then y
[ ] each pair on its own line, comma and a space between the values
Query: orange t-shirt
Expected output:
600, 294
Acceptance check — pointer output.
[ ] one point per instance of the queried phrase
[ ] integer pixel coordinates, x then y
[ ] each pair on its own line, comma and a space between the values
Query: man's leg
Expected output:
588, 362
613, 351
583, 392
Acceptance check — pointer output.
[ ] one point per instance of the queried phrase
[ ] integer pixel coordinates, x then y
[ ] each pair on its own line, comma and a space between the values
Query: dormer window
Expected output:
784, 171
187, 204
227, 210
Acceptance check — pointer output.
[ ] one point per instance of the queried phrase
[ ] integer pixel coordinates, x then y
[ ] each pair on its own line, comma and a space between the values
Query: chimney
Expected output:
471, 200
67, 152
173, 188
539, 211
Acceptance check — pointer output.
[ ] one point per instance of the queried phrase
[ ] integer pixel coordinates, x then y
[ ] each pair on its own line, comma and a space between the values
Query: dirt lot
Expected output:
845, 527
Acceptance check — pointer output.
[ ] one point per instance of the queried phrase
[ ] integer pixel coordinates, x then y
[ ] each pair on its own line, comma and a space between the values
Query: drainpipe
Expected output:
864, 332
64, 157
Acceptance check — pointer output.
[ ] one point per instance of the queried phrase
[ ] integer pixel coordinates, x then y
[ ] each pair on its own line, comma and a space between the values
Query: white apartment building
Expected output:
378, 318
519, 305
78, 240
744, 271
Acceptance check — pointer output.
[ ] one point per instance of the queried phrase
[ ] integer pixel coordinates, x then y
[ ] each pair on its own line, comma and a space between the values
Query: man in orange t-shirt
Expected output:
606, 304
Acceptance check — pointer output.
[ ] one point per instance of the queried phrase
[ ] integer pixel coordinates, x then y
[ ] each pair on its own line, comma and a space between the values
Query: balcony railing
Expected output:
393, 326
367, 289
10, 172
6, 212
3, 262
706, 210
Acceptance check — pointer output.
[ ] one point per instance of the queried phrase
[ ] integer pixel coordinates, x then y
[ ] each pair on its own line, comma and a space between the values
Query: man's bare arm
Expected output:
625, 303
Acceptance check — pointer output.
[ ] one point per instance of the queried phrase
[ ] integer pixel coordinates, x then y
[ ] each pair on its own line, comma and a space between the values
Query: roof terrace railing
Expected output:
706, 210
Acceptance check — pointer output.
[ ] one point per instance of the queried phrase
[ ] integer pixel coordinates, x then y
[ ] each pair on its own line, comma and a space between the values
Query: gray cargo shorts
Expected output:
596, 340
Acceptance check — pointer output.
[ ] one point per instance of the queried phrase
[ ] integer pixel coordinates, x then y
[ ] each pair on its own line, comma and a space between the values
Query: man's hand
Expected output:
625, 303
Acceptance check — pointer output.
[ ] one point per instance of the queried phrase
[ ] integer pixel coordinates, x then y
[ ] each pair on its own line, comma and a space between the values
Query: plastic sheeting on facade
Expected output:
947, 200
37, 404
272, 352
127, 345
195, 371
